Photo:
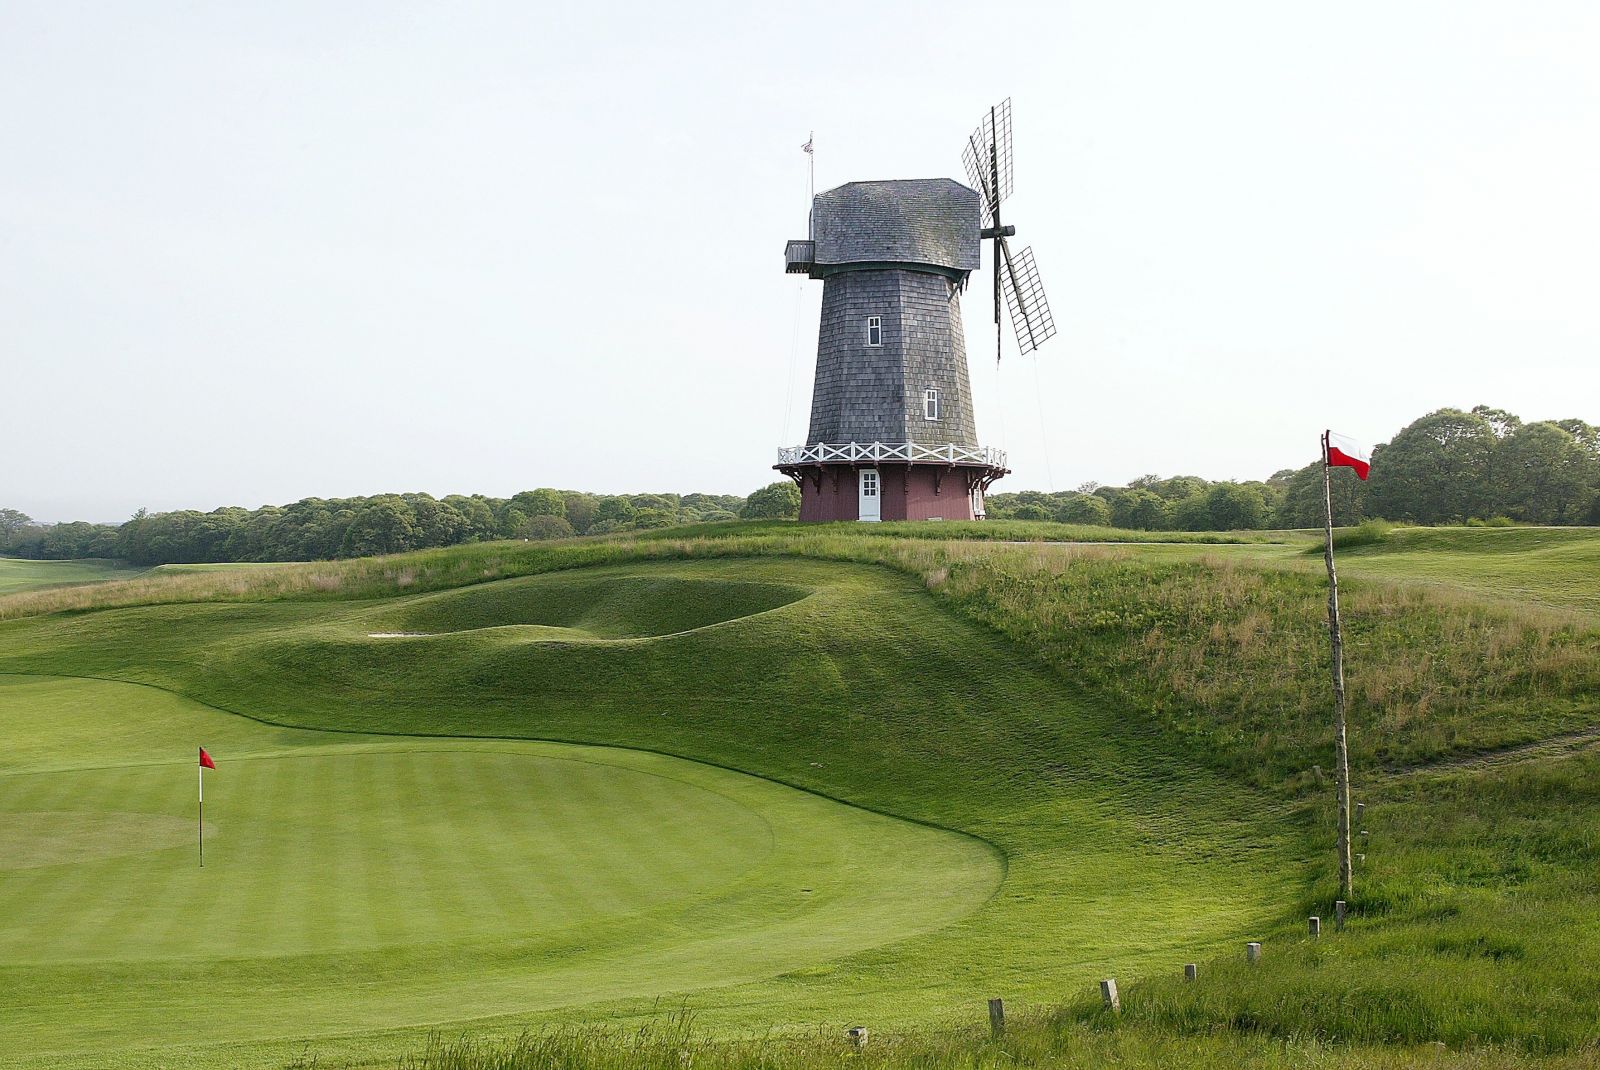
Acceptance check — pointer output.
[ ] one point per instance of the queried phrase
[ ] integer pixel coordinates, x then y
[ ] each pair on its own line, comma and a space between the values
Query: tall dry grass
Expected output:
1036, 1041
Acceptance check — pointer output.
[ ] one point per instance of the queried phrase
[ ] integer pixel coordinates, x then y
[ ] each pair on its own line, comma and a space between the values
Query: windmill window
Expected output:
874, 330
930, 404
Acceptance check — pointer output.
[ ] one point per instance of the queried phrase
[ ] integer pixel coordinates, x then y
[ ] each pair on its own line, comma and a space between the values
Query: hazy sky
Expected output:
252, 253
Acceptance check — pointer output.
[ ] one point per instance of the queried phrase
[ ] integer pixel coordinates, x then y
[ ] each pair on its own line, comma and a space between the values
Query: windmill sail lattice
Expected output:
988, 159
991, 169
1030, 310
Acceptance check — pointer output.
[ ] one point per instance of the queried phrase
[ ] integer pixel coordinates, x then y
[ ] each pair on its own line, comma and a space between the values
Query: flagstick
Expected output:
1341, 745
202, 836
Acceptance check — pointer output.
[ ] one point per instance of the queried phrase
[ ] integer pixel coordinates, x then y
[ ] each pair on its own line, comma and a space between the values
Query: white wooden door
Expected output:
868, 483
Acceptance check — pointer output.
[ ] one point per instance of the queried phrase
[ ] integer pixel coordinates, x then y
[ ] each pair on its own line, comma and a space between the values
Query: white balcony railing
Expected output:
906, 452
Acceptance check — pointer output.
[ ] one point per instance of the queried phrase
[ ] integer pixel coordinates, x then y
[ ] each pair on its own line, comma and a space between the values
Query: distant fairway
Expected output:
17, 574
462, 878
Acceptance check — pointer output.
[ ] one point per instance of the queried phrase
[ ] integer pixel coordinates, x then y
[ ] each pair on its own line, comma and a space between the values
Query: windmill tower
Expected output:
892, 432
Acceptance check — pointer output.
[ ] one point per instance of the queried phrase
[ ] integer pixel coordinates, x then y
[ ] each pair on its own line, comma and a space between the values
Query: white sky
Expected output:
250, 253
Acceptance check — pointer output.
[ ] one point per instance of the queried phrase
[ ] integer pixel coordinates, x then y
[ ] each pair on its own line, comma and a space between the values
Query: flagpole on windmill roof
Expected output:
811, 183
1336, 644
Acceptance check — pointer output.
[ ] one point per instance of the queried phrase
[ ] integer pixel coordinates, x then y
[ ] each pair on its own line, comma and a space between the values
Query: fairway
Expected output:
17, 574
468, 877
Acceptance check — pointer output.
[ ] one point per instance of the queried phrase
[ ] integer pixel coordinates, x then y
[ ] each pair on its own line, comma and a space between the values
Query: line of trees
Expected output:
1448, 467
322, 528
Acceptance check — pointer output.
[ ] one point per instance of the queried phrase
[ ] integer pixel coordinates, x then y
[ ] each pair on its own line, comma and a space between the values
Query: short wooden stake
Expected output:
1361, 811
1338, 914
1315, 925
997, 1016
1190, 971
1252, 951
858, 1037
1108, 994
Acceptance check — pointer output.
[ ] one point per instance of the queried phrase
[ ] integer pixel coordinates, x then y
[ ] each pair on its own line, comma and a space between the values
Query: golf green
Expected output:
360, 883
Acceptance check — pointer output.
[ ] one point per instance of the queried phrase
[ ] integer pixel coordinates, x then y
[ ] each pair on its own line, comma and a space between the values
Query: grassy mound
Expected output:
604, 606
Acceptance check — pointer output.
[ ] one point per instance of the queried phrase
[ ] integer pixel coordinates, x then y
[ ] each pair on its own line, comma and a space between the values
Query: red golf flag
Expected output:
1345, 452
205, 759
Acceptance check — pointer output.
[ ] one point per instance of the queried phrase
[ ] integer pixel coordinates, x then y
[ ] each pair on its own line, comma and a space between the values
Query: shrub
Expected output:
1366, 533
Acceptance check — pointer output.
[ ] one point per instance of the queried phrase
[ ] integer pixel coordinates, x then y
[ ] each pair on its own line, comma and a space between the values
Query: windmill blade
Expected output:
988, 158
1030, 310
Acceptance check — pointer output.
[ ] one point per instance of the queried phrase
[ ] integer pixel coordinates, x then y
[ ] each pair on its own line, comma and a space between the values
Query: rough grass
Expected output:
1031, 1040
1232, 656
1476, 925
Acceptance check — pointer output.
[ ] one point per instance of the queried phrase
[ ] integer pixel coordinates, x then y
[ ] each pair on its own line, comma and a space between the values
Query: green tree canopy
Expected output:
385, 526
1544, 475
1235, 507
541, 502
1084, 509
1141, 510
775, 501
1438, 469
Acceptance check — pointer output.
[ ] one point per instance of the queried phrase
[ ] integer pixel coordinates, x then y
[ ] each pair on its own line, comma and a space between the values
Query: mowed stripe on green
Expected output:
453, 876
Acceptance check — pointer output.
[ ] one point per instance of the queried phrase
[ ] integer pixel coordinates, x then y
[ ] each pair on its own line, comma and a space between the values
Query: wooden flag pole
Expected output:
1336, 642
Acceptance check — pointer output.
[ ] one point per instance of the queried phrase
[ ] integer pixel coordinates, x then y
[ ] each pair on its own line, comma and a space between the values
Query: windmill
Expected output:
893, 435
989, 163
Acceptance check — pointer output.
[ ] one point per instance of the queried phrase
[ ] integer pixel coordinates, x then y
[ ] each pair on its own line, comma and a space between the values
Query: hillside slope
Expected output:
847, 680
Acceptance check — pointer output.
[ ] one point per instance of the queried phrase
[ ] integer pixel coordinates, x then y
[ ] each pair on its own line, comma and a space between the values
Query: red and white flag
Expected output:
1342, 451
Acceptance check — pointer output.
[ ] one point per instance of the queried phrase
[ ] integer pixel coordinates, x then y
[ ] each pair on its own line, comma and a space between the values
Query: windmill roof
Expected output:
916, 221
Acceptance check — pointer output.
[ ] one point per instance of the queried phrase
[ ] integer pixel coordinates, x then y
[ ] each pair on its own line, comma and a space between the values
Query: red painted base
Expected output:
907, 492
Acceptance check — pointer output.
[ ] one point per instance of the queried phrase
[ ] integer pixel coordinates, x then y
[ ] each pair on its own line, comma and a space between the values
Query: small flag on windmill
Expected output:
205, 763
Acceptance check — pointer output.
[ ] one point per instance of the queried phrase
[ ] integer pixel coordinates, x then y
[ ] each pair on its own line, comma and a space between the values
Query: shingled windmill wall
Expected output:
868, 393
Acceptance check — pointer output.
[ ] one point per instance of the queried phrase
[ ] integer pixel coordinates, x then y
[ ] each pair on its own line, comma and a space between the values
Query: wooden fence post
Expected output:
1108, 994
1252, 951
1338, 914
997, 1016
1315, 925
